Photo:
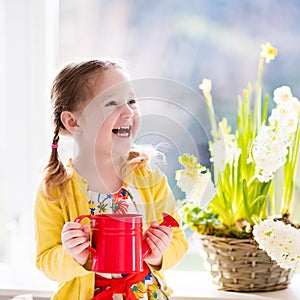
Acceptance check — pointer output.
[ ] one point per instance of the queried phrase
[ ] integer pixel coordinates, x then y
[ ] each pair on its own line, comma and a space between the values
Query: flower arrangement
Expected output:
244, 163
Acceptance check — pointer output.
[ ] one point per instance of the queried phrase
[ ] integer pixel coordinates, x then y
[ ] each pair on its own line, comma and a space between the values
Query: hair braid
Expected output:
56, 174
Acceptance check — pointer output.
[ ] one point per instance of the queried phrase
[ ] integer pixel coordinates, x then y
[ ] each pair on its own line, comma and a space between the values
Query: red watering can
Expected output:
118, 244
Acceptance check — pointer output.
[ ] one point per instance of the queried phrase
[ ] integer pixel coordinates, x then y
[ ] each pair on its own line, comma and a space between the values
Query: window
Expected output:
178, 42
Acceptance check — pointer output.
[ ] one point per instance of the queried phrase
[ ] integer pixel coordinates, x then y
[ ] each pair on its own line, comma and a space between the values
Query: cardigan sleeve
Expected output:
164, 202
158, 198
51, 257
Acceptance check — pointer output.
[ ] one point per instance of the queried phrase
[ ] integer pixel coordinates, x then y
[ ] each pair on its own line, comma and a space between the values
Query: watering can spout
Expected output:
168, 221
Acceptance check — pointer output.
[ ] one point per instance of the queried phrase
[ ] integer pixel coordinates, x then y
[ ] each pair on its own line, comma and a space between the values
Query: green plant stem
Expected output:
213, 124
290, 173
211, 113
257, 104
272, 199
244, 132
265, 109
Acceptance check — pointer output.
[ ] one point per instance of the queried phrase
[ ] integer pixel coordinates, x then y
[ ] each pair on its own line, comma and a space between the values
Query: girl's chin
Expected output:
122, 148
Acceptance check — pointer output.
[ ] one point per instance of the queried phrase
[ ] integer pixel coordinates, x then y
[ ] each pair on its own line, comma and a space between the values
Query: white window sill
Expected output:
191, 285
187, 285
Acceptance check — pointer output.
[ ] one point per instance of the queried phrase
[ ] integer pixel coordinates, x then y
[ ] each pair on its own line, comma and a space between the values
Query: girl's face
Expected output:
111, 119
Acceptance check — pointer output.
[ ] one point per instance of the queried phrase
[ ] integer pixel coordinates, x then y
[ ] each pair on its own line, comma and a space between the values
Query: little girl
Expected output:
94, 102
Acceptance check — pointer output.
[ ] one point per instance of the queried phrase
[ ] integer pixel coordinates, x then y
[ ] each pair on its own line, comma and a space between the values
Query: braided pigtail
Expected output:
56, 174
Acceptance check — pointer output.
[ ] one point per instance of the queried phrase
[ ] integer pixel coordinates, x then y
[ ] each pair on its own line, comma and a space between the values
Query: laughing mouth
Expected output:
123, 131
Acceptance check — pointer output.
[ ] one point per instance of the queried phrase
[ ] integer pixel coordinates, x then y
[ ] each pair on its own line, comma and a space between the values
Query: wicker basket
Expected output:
239, 265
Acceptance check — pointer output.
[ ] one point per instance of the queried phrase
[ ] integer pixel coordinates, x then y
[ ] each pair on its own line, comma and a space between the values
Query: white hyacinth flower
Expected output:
280, 241
268, 152
270, 146
286, 115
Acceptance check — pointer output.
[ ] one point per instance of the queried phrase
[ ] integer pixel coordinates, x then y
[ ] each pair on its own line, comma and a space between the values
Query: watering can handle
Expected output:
78, 220
168, 221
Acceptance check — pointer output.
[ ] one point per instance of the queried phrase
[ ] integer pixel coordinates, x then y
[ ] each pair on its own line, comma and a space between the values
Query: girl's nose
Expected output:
127, 111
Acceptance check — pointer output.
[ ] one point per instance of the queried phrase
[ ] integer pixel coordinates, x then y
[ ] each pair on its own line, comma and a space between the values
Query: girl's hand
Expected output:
75, 238
158, 239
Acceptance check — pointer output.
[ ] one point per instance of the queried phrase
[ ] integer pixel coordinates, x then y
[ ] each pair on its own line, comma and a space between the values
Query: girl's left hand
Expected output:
158, 239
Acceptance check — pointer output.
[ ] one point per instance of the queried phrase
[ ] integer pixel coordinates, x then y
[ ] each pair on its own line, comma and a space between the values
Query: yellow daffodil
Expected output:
268, 52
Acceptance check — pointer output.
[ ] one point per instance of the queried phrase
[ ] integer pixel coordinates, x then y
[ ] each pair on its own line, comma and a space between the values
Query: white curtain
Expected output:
28, 38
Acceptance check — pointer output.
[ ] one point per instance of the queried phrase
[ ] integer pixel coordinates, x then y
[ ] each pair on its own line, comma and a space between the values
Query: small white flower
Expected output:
224, 149
282, 94
195, 181
205, 86
203, 191
199, 190
185, 181
285, 116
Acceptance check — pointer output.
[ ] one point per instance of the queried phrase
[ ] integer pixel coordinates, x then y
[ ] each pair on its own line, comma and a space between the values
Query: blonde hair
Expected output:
71, 89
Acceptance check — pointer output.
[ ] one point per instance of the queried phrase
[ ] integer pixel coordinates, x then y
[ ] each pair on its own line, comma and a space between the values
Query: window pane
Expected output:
186, 41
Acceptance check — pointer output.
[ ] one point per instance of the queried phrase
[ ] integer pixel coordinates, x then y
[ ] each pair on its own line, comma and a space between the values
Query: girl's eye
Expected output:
112, 102
132, 101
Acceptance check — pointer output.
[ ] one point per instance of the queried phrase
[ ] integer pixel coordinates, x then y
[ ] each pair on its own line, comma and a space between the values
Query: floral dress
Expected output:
125, 202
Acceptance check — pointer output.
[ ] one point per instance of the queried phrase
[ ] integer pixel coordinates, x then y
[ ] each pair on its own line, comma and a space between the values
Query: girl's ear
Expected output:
70, 122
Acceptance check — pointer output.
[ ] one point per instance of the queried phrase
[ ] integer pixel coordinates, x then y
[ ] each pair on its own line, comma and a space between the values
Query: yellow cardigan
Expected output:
76, 281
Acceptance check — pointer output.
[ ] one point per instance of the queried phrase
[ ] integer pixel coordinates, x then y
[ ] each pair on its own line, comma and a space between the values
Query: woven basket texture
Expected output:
239, 265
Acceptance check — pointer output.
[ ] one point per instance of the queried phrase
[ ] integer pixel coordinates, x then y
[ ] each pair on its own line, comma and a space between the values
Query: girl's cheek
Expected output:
137, 123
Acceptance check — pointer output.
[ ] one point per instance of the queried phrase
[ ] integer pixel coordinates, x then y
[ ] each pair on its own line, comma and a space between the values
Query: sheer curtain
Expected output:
28, 33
